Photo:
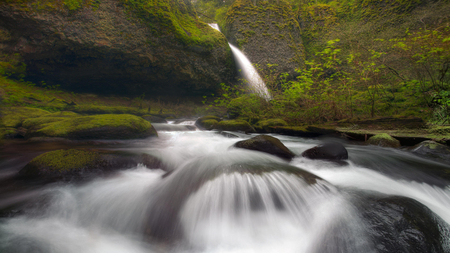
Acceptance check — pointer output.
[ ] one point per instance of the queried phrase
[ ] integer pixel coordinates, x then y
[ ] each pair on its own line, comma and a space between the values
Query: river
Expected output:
209, 203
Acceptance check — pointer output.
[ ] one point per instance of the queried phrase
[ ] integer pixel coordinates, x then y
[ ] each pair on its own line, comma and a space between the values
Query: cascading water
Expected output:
248, 71
222, 199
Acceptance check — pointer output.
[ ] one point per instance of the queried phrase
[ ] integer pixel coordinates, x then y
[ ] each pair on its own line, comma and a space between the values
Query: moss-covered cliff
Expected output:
116, 46
267, 32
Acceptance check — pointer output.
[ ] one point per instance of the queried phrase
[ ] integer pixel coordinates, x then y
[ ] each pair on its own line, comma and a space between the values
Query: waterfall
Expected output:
248, 71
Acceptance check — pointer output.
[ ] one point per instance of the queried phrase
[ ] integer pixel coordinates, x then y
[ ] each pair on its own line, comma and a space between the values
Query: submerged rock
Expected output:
163, 214
384, 140
107, 126
75, 163
327, 151
266, 144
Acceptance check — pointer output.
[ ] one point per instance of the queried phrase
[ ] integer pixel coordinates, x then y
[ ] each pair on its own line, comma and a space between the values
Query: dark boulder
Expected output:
401, 224
266, 144
327, 151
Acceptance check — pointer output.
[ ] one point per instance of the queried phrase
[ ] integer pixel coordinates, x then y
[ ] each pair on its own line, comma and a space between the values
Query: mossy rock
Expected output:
235, 125
61, 162
101, 109
432, 150
207, 122
267, 125
7, 133
107, 126
384, 140
38, 123
266, 144
332, 151
74, 163
14, 116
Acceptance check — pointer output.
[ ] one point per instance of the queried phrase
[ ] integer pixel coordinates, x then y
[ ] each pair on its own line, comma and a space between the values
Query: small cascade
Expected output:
249, 72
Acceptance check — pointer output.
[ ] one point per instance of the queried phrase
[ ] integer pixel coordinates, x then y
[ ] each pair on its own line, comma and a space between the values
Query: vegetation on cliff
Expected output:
363, 59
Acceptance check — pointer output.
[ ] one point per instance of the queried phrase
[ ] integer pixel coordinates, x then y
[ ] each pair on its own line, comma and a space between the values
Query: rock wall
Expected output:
116, 46
267, 33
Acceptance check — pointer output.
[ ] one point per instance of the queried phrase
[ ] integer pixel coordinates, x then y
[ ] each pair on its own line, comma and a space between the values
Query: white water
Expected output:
109, 215
248, 71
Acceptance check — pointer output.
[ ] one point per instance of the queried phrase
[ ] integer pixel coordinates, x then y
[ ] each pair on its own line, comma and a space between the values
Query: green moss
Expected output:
53, 5
101, 109
37, 123
177, 18
5, 132
266, 125
108, 126
63, 114
14, 116
235, 125
209, 123
384, 140
65, 160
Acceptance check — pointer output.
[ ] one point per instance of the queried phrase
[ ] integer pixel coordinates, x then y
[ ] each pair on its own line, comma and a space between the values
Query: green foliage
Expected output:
340, 83
175, 18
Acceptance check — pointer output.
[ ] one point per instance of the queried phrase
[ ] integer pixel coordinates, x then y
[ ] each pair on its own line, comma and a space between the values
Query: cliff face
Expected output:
116, 46
267, 33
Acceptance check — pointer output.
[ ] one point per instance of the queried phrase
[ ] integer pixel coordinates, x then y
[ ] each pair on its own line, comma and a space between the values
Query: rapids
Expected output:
214, 200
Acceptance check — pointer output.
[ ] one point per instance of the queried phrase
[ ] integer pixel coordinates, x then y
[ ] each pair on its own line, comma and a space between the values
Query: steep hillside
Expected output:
115, 46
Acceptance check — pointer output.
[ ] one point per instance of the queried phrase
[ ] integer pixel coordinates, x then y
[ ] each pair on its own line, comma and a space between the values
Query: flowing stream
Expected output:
248, 71
216, 199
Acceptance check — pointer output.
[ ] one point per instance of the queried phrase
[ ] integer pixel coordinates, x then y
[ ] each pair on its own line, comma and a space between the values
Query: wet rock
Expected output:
266, 144
163, 215
334, 151
401, 224
66, 164
207, 122
384, 140
432, 150
154, 119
